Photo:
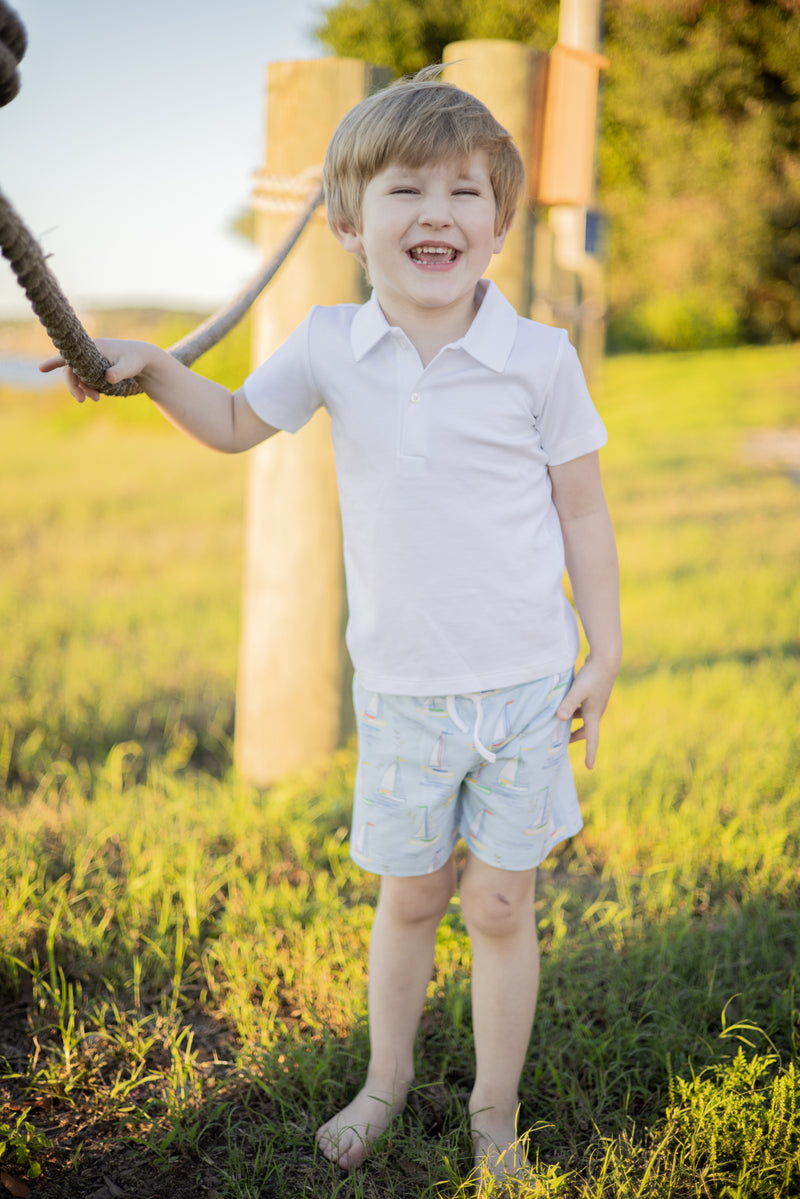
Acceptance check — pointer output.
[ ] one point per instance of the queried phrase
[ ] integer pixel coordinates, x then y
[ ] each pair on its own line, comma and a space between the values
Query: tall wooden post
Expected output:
506, 76
292, 700
568, 274
579, 25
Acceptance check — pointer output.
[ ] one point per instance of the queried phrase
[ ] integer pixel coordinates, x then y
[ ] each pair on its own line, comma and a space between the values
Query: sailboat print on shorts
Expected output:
510, 774
423, 834
390, 784
365, 795
436, 763
360, 843
540, 810
473, 781
502, 730
556, 746
475, 830
370, 713
433, 707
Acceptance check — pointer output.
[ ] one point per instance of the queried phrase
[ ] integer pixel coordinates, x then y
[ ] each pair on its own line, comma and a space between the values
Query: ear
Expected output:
499, 239
348, 238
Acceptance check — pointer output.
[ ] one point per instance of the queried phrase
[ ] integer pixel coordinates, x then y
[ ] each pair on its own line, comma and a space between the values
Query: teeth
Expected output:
429, 252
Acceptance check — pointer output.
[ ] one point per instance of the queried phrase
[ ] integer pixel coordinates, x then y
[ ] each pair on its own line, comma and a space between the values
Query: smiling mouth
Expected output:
432, 255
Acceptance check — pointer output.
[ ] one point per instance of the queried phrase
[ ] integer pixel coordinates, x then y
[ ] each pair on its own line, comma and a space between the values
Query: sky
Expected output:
130, 148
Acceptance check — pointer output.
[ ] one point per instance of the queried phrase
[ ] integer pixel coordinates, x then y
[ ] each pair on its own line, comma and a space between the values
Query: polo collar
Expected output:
489, 339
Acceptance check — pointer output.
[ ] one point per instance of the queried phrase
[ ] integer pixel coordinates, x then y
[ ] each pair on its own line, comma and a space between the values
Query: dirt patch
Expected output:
93, 1154
774, 448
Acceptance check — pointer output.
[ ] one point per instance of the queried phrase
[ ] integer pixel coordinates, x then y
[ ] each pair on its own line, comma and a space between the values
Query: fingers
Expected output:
589, 732
575, 706
126, 362
74, 386
52, 364
569, 705
77, 388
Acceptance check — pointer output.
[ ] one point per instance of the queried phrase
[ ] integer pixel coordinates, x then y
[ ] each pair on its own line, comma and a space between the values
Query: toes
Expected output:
344, 1147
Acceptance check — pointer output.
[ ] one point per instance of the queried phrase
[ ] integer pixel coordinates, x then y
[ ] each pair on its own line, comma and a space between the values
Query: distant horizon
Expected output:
132, 181
30, 317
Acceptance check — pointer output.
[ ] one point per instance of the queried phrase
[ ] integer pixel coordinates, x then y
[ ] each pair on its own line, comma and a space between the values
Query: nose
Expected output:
435, 210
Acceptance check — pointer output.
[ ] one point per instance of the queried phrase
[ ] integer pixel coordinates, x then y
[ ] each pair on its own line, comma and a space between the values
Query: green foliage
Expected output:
680, 321
741, 1120
699, 153
409, 34
21, 1145
700, 169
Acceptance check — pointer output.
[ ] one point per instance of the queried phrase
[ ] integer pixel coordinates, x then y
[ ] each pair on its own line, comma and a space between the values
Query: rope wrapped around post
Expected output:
40, 285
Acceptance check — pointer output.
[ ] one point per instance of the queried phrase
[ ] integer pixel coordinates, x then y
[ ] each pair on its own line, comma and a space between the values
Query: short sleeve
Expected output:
282, 390
568, 422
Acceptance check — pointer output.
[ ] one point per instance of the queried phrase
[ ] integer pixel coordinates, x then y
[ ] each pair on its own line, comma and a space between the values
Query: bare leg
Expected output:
499, 914
401, 956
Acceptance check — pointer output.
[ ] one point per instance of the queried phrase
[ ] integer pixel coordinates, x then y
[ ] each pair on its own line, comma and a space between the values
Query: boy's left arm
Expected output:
591, 557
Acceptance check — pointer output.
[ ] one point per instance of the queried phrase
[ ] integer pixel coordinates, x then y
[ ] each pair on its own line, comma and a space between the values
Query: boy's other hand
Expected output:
587, 700
128, 359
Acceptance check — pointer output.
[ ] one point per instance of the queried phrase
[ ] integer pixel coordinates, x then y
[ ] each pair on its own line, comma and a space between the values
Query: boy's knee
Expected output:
494, 911
412, 900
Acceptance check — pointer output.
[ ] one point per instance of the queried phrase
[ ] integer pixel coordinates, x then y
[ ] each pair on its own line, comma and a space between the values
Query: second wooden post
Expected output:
292, 699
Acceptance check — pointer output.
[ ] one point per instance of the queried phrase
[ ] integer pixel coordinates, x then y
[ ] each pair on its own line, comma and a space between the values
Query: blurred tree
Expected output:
700, 152
700, 170
409, 34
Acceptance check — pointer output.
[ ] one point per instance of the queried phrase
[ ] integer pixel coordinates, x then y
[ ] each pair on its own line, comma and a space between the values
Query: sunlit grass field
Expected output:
182, 977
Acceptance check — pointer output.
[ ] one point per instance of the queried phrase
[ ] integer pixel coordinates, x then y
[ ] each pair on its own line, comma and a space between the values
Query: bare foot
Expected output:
347, 1138
499, 1153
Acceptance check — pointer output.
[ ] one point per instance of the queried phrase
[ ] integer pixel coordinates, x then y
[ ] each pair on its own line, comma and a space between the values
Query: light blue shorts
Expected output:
491, 767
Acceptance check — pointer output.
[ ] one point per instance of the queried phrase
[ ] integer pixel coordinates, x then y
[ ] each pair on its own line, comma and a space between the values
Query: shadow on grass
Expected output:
181, 731
623, 1011
783, 651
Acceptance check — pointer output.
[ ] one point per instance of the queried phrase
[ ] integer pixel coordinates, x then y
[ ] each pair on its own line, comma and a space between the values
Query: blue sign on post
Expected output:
596, 225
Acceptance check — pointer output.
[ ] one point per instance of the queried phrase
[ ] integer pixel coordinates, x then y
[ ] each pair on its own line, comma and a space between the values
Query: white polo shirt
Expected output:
453, 551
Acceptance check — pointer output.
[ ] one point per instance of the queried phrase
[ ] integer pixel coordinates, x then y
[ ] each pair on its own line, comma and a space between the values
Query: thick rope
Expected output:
51, 305
68, 334
13, 43
41, 287
189, 348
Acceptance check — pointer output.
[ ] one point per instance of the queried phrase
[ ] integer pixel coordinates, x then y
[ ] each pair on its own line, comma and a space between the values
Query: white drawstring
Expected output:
450, 700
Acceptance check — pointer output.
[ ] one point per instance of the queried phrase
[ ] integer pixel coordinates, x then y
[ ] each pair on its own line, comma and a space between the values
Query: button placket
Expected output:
413, 434
415, 426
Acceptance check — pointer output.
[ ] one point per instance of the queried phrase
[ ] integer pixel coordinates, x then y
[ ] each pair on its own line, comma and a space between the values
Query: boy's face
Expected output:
427, 235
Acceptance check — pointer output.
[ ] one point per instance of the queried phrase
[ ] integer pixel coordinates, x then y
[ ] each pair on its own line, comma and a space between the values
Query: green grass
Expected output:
182, 988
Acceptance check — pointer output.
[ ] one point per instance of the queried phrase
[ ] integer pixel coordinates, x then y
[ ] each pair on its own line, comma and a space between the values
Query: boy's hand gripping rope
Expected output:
41, 287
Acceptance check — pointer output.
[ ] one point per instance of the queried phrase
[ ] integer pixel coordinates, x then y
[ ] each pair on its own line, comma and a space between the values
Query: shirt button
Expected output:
415, 397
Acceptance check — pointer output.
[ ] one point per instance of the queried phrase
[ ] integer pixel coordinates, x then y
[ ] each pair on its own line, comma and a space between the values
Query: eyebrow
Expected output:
465, 176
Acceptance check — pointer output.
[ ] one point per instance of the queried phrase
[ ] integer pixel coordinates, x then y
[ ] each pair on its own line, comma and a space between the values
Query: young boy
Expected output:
466, 449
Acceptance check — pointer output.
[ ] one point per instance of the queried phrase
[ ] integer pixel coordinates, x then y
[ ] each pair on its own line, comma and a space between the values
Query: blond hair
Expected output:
414, 122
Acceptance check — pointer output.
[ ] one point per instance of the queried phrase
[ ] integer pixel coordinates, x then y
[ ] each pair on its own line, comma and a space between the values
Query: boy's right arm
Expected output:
205, 410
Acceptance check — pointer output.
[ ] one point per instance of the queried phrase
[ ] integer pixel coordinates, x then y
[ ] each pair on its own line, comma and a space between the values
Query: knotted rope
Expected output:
41, 287
13, 43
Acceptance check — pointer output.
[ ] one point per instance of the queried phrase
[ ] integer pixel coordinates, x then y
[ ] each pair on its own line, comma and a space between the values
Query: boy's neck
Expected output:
430, 330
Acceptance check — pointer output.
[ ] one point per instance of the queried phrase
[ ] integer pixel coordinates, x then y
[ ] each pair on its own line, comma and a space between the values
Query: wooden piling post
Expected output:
292, 704
569, 275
